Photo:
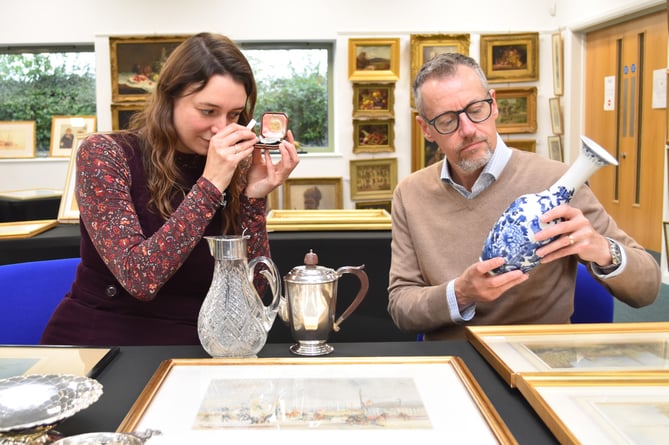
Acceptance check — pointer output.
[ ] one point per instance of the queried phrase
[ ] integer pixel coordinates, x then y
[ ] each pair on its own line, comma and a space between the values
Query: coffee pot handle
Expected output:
362, 293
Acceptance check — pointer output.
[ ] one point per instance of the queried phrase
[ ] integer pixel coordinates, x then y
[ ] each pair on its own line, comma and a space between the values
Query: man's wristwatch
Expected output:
616, 257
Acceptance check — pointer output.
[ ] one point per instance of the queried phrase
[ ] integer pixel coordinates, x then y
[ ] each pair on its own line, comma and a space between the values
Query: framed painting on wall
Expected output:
423, 152
373, 59
64, 131
510, 57
425, 46
121, 114
373, 135
556, 115
136, 62
17, 139
312, 194
523, 144
517, 110
373, 178
558, 63
555, 148
375, 100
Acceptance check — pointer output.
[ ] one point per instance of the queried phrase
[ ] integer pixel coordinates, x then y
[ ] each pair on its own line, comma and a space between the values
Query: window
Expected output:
38, 83
296, 78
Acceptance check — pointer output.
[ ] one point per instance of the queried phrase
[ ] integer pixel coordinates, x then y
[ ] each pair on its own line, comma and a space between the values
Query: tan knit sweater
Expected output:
437, 234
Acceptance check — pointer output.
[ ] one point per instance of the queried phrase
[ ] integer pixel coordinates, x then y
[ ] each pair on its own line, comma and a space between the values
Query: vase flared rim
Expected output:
600, 151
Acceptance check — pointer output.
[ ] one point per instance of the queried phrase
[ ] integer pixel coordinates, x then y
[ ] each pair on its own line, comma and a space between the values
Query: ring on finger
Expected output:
571, 240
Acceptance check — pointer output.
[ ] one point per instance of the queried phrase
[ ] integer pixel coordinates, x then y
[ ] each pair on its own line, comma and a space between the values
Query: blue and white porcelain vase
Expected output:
512, 236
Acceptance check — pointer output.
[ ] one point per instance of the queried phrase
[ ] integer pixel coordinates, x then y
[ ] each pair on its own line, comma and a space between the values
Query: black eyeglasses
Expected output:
477, 112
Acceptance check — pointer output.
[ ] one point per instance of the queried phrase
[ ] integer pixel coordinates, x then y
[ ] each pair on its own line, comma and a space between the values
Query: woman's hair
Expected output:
186, 71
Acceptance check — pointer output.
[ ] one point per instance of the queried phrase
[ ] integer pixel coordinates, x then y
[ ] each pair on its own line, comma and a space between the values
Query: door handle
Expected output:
623, 155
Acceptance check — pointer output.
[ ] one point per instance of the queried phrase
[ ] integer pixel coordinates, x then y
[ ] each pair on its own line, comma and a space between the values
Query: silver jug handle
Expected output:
271, 275
362, 293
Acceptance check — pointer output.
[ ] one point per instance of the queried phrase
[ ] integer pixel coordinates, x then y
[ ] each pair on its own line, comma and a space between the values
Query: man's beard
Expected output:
472, 165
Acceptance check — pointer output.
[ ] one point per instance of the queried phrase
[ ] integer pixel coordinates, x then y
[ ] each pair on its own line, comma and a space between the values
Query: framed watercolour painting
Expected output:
68, 211
555, 148
517, 110
558, 63
556, 115
425, 46
136, 62
313, 193
376, 100
26, 360
65, 129
423, 152
510, 57
601, 347
373, 135
601, 408
373, 178
373, 59
17, 139
121, 114
349, 400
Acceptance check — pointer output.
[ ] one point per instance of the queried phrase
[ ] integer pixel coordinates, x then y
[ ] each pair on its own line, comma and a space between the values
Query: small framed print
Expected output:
558, 63
555, 148
373, 59
64, 131
517, 110
556, 115
373, 135
136, 62
523, 144
385, 204
68, 211
375, 100
426, 46
373, 178
17, 139
122, 113
510, 57
423, 152
312, 194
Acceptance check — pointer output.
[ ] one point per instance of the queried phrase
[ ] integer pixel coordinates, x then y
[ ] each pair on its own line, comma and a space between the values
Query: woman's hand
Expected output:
227, 148
264, 175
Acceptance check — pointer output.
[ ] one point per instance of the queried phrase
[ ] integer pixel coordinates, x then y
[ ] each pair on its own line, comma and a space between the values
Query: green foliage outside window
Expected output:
35, 87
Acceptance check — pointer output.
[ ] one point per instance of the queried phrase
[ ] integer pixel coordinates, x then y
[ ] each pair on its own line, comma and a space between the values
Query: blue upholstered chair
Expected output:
29, 293
593, 303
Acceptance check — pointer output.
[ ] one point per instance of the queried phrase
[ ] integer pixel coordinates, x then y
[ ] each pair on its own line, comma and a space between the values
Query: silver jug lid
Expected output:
311, 272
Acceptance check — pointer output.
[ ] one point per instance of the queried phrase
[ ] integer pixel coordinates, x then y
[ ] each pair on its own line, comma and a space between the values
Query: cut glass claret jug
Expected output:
233, 320
311, 301
512, 236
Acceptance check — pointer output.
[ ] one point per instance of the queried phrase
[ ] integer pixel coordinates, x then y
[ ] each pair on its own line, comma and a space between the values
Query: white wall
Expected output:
30, 22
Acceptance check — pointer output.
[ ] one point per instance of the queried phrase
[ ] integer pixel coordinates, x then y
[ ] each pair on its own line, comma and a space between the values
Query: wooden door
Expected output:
621, 61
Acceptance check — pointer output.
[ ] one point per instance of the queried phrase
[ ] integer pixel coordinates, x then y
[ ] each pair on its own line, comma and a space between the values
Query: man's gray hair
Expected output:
443, 65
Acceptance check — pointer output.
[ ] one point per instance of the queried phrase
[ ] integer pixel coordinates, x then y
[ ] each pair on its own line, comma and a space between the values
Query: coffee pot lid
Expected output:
311, 272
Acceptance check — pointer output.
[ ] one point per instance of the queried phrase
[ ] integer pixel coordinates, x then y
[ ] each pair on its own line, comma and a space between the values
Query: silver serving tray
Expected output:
101, 439
32, 401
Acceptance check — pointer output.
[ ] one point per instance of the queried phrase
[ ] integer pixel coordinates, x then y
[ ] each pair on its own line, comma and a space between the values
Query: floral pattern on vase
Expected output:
512, 236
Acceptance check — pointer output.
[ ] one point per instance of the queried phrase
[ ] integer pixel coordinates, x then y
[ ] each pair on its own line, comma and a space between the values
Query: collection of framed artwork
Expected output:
555, 150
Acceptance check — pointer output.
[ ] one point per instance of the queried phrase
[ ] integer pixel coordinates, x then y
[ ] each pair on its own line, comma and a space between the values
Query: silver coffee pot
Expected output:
310, 303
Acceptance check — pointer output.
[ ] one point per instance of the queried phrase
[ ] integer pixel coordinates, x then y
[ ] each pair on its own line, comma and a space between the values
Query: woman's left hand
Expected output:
265, 175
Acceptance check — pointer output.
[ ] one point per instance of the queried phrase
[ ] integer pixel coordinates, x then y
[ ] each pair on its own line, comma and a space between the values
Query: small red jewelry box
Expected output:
273, 129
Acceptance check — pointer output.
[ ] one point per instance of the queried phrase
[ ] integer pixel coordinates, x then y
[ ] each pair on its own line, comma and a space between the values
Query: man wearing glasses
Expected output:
442, 214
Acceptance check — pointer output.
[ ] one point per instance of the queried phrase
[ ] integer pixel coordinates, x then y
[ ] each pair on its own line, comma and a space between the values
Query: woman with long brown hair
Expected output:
186, 168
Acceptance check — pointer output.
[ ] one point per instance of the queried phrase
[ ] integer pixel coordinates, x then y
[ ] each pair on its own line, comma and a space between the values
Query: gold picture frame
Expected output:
426, 46
25, 229
571, 348
373, 178
557, 51
601, 407
136, 62
373, 59
555, 148
510, 57
306, 397
17, 139
385, 204
313, 194
64, 130
374, 100
373, 135
423, 152
327, 220
523, 144
556, 115
123, 112
68, 211
26, 360
517, 110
